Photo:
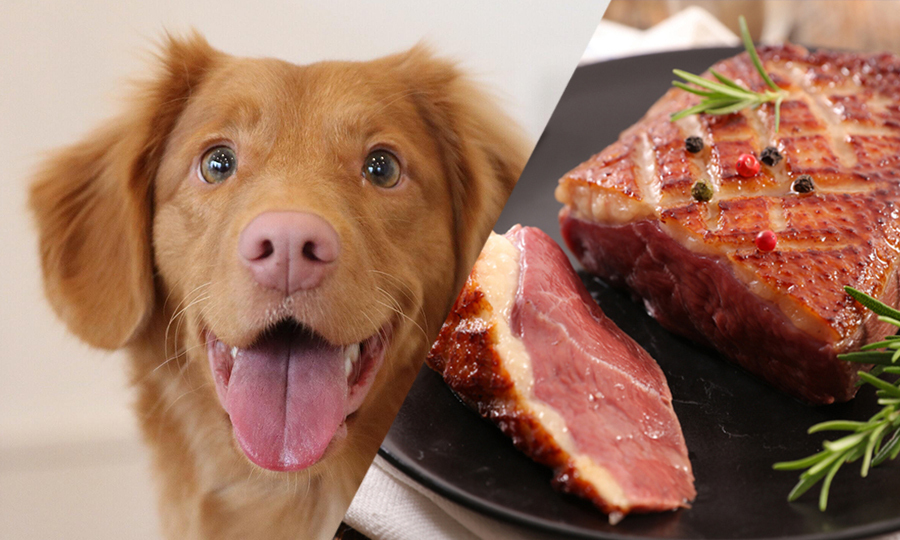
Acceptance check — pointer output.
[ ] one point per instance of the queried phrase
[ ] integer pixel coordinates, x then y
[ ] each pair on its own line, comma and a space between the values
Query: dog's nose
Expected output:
289, 251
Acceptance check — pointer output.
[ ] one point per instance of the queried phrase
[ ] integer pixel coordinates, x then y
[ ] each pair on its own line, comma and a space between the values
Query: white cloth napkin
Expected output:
391, 506
691, 28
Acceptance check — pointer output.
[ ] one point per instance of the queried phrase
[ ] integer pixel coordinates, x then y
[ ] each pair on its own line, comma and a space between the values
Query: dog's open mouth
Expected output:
289, 393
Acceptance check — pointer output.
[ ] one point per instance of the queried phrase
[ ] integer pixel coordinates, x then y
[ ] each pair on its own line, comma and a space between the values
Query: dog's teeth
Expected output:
234, 352
351, 355
352, 352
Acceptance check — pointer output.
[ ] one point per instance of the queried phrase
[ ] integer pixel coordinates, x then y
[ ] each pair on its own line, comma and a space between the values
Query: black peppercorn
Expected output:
693, 144
770, 156
803, 184
701, 192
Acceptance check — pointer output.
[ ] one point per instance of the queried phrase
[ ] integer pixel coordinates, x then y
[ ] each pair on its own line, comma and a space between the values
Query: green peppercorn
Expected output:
803, 184
693, 144
770, 156
702, 192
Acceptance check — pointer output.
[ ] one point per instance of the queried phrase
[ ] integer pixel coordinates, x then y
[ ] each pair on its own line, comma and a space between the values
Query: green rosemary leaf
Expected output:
724, 95
833, 455
751, 50
894, 451
836, 425
809, 478
881, 384
879, 441
874, 439
844, 443
733, 108
739, 93
699, 108
826, 484
887, 449
893, 343
804, 463
868, 357
873, 304
691, 89
804, 484
866, 440
885, 453
725, 80
882, 414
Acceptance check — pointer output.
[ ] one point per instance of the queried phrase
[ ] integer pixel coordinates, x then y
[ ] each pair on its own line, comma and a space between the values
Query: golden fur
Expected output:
137, 255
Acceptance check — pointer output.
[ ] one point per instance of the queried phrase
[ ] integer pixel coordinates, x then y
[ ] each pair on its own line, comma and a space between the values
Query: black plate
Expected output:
736, 426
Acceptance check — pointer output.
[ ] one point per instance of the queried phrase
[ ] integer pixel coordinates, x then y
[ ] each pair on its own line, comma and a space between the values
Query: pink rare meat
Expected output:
528, 347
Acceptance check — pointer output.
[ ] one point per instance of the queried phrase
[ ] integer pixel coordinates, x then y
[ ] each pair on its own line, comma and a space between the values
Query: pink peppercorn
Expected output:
747, 165
766, 241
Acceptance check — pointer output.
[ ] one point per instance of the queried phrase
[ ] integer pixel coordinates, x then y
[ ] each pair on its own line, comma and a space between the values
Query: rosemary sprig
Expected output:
876, 440
725, 96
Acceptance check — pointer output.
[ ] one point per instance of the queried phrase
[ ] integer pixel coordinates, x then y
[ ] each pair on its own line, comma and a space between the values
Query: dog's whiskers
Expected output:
397, 308
174, 356
177, 353
187, 393
178, 312
408, 293
181, 317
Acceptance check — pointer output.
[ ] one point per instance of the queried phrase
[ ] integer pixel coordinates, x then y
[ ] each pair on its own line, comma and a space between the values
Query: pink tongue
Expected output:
286, 398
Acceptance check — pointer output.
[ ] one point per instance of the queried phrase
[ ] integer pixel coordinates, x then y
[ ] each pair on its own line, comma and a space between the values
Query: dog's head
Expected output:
308, 223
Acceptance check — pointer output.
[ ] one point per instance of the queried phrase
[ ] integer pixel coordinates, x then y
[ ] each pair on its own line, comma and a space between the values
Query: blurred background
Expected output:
71, 462
860, 25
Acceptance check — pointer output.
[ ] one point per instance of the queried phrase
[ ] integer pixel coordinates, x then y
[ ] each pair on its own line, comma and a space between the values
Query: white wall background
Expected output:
70, 463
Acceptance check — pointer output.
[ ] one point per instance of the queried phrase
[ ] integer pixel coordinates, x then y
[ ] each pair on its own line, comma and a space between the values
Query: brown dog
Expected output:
276, 246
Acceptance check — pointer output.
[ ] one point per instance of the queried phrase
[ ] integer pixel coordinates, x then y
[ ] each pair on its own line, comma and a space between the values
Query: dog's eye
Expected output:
382, 169
217, 164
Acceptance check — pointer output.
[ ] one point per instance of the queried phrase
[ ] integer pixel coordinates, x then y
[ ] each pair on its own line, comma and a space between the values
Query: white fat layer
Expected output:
497, 274
646, 175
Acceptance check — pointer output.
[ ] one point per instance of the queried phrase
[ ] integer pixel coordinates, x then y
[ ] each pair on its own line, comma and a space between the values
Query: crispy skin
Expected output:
138, 253
841, 125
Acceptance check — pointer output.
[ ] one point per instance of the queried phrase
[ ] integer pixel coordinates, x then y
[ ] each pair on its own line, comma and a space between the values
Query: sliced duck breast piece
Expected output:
529, 349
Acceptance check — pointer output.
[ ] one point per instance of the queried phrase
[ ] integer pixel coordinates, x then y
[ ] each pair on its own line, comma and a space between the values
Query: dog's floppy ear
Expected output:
92, 204
484, 150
